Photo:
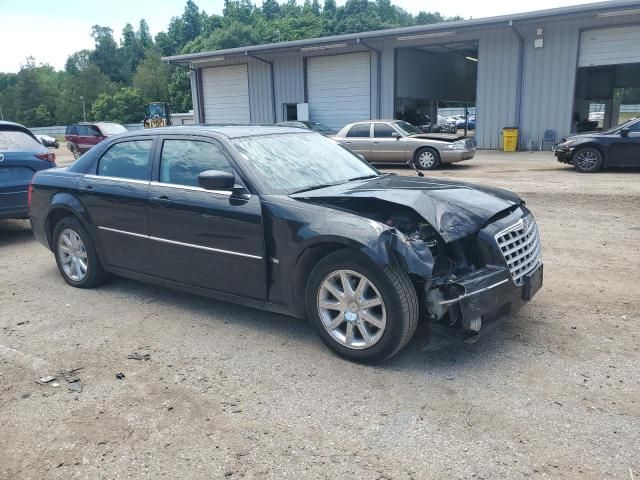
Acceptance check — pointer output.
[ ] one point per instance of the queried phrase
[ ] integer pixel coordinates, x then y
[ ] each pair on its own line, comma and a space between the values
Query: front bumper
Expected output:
563, 154
453, 156
480, 301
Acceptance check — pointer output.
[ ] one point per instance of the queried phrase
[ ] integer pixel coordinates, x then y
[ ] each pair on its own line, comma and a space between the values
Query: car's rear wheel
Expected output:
76, 255
427, 159
75, 152
361, 311
587, 160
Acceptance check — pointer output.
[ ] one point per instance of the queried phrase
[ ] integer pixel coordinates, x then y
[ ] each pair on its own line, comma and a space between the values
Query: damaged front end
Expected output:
466, 285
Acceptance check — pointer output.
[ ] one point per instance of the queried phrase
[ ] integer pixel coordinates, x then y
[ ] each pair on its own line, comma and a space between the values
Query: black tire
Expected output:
95, 273
427, 158
75, 152
587, 160
396, 290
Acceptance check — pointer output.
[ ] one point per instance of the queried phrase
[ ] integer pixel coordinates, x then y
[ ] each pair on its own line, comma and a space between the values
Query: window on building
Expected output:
290, 111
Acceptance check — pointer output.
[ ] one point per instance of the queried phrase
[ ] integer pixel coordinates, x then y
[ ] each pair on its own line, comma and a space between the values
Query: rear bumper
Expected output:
480, 301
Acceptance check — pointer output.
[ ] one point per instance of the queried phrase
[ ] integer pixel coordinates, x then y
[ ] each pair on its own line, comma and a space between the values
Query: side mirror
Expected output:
396, 135
216, 180
361, 157
625, 132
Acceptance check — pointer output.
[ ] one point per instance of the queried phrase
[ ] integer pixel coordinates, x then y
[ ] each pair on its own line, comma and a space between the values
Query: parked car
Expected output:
590, 152
48, 141
315, 126
471, 123
381, 141
21, 155
288, 221
81, 137
446, 126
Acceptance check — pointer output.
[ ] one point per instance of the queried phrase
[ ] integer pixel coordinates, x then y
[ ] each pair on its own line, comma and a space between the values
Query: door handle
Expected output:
162, 199
348, 143
88, 189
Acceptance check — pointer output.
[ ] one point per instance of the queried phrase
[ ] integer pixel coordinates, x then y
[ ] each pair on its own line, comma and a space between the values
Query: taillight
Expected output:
49, 157
29, 193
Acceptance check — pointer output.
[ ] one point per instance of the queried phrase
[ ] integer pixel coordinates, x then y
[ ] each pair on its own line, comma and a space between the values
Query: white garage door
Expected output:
225, 94
609, 46
338, 88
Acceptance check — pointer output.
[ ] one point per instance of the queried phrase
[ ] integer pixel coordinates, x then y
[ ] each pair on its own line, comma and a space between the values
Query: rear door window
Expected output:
17, 140
129, 160
361, 130
183, 160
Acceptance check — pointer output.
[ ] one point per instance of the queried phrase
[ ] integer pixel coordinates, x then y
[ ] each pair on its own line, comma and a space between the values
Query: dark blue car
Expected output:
21, 156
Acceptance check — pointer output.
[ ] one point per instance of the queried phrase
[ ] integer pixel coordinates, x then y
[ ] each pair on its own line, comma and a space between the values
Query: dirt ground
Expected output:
231, 392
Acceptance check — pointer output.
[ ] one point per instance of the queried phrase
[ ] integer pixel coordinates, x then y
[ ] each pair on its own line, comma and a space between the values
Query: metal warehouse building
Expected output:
537, 71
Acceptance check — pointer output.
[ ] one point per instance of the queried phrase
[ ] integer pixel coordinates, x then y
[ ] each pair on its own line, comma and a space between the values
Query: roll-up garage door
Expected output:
225, 94
609, 46
338, 88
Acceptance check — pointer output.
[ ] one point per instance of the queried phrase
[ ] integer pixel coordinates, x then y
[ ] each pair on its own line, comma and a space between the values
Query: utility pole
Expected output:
84, 110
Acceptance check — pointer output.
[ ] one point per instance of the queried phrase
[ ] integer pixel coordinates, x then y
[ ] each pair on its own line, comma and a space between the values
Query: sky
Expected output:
51, 31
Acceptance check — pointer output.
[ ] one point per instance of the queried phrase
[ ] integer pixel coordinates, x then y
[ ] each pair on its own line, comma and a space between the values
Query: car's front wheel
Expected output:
587, 160
76, 255
427, 159
361, 311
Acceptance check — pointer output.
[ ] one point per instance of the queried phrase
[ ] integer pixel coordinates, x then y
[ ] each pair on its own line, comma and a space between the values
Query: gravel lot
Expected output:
233, 392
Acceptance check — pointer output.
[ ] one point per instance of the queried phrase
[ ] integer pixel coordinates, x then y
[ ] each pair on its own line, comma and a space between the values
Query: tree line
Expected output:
113, 81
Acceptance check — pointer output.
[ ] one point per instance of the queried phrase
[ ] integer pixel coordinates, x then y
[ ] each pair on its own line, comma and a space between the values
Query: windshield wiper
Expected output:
315, 187
364, 177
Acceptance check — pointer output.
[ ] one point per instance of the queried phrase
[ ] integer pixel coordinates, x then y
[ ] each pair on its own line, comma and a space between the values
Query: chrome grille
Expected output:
520, 245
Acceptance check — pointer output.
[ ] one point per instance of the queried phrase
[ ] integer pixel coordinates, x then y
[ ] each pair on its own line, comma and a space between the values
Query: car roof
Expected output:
11, 124
229, 131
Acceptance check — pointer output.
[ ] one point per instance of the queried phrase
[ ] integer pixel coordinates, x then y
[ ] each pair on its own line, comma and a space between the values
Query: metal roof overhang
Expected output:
437, 28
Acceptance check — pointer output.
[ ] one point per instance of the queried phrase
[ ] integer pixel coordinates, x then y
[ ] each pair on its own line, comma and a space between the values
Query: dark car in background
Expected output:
289, 221
21, 156
592, 151
82, 137
315, 126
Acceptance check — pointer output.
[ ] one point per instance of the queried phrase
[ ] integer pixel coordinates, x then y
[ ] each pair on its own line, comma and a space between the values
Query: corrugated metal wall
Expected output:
497, 86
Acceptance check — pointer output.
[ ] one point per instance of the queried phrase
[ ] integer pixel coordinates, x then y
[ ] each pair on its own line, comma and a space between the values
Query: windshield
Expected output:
621, 126
291, 162
111, 128
407, 128
318, 127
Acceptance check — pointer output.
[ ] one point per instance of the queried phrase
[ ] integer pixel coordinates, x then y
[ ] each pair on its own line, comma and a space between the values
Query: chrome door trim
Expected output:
117, 179
190, 187
182, 244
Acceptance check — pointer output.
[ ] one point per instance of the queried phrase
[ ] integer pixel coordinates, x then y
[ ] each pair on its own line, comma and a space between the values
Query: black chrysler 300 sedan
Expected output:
289, 221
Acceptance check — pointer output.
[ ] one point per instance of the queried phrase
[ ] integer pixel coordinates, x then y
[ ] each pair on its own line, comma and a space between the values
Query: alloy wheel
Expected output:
351, 309
73, 255
587, 160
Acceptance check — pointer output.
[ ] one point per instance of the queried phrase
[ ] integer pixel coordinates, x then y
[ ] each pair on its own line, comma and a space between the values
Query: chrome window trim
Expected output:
190, 187
182, 244
13, 193
118, 179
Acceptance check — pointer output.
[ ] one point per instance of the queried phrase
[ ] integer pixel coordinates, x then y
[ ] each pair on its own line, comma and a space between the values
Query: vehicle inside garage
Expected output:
607, 89
437, 81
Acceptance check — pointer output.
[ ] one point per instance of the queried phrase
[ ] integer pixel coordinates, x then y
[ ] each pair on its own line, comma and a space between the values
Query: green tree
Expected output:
143, 36
152, 78
180, 90
124, 106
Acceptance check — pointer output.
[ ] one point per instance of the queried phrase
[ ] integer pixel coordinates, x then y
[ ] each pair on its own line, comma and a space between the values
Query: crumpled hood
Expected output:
455, 209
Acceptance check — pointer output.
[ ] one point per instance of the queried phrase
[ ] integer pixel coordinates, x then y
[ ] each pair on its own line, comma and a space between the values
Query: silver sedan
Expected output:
398, 141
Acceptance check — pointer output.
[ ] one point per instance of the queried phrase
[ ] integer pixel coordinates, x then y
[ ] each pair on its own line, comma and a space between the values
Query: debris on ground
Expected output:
75, 386
139, 356
120, 376
46, 380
